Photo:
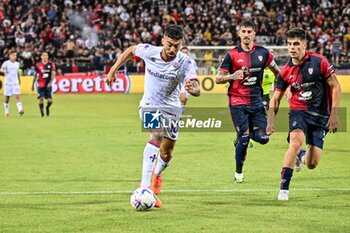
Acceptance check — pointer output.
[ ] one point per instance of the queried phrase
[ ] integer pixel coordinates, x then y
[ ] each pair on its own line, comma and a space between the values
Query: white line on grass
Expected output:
167, 191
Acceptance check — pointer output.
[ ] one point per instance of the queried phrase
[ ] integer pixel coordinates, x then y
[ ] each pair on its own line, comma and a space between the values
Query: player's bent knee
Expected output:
261, 137
312, 165
243, 139
156, 136
295, 145
264, 139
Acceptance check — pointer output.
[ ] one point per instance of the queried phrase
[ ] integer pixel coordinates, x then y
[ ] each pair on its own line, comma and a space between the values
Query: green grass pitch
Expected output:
75, 171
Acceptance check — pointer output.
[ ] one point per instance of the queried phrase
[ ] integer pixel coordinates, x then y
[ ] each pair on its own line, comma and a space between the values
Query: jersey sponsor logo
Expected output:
158, 75
255, 69
90, 84
307, 85
291, 76
304, 96
240, 61
310, 70
250, 81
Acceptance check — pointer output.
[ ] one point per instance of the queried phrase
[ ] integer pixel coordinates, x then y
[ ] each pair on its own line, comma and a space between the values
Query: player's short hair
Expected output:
175, 32
297, 33
13, 51
247, 23
183, 48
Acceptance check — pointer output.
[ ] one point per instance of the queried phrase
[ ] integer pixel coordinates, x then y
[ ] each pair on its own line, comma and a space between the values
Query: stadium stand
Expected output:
86, 35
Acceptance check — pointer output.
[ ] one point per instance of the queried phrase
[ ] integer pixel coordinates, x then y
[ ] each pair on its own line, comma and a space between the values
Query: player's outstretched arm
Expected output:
273, 109
333, 122
34, 80
223, 77
124, 57
192, 86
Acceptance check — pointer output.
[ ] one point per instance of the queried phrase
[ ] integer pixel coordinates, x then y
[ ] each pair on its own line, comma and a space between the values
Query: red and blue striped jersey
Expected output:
308, 82
247, 91
44, 73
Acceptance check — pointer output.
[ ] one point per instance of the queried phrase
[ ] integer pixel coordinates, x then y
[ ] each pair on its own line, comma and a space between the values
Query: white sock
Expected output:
19, 106
149, 158
6, 107
161, 165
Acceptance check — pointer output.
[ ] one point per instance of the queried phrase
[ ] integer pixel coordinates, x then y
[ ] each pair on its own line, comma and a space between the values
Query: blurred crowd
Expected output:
95, 32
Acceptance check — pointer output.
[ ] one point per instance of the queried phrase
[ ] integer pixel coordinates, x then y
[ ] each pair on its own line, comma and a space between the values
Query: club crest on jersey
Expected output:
310, 70
260, 58
176, 64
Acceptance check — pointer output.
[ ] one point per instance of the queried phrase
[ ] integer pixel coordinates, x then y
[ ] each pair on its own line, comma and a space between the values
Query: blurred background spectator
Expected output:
91, 34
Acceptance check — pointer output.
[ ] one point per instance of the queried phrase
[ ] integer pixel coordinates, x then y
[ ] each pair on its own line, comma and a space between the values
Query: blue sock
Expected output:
286, 176
241, 151
301, 154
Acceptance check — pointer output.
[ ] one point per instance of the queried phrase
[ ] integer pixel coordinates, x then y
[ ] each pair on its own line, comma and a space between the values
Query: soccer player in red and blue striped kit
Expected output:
45, 72
313, 106
243, 69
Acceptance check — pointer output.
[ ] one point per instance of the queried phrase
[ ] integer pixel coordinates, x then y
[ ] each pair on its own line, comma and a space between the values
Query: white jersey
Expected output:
164, 79
11, 72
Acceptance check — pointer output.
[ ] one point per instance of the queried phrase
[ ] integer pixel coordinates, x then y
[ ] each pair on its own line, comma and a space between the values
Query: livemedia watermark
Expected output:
212, 119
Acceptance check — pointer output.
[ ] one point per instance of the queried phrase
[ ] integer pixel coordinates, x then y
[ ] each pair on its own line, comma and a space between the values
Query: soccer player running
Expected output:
243, 68
12, 83
313, 106
166, 71
45, 72
183, 93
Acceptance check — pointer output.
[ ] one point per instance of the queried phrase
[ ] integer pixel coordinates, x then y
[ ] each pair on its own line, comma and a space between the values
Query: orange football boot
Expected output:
159, 203
156, 183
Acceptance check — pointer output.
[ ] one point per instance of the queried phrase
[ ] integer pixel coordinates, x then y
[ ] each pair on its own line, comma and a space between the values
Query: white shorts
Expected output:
12, 89
166, 122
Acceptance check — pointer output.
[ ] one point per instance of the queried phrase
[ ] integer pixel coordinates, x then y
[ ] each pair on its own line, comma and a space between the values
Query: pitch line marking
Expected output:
164, 191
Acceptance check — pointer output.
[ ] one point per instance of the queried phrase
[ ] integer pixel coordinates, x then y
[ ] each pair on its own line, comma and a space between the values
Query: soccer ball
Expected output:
143, 199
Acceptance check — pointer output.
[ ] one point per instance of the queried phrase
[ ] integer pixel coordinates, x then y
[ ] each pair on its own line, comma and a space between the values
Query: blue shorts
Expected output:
314, 127
246, 117
45, 92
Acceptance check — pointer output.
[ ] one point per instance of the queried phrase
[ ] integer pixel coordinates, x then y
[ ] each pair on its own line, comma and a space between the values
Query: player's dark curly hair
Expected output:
247, 23
298, 33
175, 32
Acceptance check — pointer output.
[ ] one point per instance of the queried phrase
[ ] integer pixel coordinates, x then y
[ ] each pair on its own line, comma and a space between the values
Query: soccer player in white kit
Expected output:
167, 70
11, 85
